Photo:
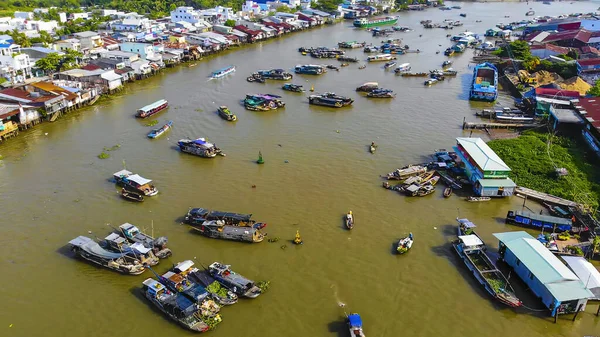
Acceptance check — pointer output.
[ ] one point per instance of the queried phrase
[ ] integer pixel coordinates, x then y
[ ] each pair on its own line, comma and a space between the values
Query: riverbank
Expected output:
534, 158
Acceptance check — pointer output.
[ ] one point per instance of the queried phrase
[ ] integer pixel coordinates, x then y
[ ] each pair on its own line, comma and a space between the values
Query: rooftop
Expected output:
7, 110
86, 34
562, 283
590, 110
566, 115
497, 182
482, 154
586, 273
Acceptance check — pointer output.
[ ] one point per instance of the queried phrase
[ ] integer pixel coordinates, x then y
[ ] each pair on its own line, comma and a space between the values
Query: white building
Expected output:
62, 17
84, 16
90, 41
47, 26
23, 15
14, 66
67, 44
186, 14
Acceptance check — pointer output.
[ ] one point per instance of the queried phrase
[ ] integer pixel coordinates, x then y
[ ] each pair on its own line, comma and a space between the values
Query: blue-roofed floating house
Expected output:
561, 291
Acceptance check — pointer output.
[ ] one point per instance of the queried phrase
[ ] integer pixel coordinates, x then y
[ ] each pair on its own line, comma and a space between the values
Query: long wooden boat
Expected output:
234, 281
222, 72
131, 196
152, 109
158, 132
91, 251
135, 182
539, 221
405, 172
477, 199
414, 74
468, 248
449, 180
175, 305
484, 86
217, 229
381, 58
197, 216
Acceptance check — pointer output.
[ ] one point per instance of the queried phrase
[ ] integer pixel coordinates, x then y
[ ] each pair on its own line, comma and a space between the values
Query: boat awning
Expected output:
122, 173
80, 241
355, 320
112, 237
139, 179
466, 223
471, 240
413, 188
497, 183
140, 248
185, 265
203, 142
586, 272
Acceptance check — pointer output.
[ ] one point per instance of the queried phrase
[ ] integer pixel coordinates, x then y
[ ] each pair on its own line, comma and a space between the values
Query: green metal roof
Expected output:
482, 154
562, 283
504, 182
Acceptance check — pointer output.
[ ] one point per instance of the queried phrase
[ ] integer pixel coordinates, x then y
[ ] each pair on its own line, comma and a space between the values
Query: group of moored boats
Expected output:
416, 180
263, 102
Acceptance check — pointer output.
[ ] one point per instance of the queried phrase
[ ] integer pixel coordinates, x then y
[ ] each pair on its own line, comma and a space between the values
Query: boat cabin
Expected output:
129, 230
539, 221
236, 280
136, 182
154, 288
218, 229
471, 242
183, 267
465, 226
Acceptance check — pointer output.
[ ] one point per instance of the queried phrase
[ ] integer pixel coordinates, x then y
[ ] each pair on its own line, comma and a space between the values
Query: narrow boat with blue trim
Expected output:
152, 109
222, 72
158, 132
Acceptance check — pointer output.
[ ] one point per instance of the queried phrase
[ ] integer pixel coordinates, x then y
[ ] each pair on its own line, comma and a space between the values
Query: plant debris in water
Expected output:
152, 123
263, 285
112, 148
198, 109
103, 155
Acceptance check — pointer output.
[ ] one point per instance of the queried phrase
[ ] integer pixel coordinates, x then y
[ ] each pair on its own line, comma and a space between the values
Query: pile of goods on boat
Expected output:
226, 114
310, 69
225, 225
472, 250
199, 147
275, 74
263, 102
404, 244
135, 183
330, 99
255, 77
155, 133
351, 44
293, 87
381, 93
152, 109
368, 87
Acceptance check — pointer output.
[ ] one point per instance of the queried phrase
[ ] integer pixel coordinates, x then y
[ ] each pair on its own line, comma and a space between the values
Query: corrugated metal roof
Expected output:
482, 154
586, 272
562, 283
506, 182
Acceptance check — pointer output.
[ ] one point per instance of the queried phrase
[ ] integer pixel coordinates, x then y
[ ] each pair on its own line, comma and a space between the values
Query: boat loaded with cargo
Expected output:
220, 294
366, 23
275, 74
470, 248
91, 251
226, 114
135, 183
196, 216
484, 86
118, 244
233, 281
219, 229
199, 147
152, 109
179, 283
310, 69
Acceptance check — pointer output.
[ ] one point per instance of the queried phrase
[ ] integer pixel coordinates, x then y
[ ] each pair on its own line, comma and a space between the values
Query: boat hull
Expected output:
109, 264
374, 23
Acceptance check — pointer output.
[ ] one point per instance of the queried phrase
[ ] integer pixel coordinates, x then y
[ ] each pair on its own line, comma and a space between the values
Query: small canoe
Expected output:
158, 132
405, 244
128, 195
447, 192
349, 220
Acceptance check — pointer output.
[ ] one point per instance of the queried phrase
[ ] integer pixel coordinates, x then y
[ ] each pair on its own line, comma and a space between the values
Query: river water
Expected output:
54, 188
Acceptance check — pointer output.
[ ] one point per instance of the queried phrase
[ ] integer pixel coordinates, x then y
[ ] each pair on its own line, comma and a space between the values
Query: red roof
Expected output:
90, 67
592, 107
580, 35
247, 30
21, 94
589, 62
556, 92
305, 18
589, 50
551, 47
109, 40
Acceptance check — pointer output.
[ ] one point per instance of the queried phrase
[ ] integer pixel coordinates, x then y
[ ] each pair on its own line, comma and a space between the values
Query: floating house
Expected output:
485, 170
561, 291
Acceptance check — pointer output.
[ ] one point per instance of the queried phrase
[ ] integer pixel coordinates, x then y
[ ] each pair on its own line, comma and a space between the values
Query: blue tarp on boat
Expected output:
200, 141
355, 320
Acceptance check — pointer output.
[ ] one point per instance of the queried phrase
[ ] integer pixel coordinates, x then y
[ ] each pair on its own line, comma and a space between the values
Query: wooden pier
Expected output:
544, 197
485, 126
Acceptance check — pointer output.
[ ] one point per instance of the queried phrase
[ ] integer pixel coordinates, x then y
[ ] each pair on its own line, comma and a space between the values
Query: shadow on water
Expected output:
66, 251
339, 327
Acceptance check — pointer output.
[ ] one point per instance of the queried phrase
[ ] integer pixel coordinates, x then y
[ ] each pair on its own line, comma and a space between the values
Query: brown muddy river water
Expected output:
54, 188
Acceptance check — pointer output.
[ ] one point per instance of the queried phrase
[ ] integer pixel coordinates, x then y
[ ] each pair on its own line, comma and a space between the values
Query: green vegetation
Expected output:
152, 123
595, 90
55, 62
212, 322
326, 5
230, 23
216, 288
104, 155
263, 285
533, 163
496, 284
575, 250
564, 236
520, 51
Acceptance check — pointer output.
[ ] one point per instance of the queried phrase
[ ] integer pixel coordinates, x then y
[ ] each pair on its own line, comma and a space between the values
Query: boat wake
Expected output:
337, 298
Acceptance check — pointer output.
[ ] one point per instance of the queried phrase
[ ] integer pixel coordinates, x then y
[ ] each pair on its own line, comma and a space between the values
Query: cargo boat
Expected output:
196, 216
484, 86
199, 147
330, 100
234, 281
218, 229
310, 69
220, 294
275, 74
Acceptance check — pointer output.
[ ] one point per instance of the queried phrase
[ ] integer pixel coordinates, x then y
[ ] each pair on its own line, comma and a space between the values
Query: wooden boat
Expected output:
404, 67
275, 74
220, 294
116, 243
372, 147
405, 172
309, 69
293, 87
558, 211
404, 244
464, 15
233, 281
152, 109
218, 229
351, 44
347, 59
425, 190
199, 147
415, 74
381, 58
468, 248
355, 325
447, 192
466, 227
362, 66
430, 82
134, 235
175, 305
389, 65
197, 216
484, 86
91, 251
158, 132
446, 63
255, 77
368, 87
349, 220
366, 23
381, 93
226, 114
135, 182
332, 67
132, 196
344, 64
330, 99
475, 199
431, 181
222, 72
449, 180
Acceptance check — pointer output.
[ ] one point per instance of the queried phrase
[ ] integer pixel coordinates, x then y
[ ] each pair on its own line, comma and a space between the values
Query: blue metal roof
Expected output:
355, 320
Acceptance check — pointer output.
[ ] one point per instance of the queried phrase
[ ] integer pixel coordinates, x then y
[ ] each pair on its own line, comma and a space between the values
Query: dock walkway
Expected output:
544, 197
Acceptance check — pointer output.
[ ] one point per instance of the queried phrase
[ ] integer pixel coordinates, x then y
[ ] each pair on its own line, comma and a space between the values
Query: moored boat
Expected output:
226, 114
430, 82
116, 243
135, 183
179, 283
405, 172
198, 215
347, 59
220, 294
355, 325
366, 23
415, 74
218, 229
447, 192
330, 100
349, 220
469, 249
389, 65
484, 86
199, 147
293, 87
381, 93
381, 58
132, 196
233, 281
449, 180
175, 305
222, 72
310, 69
446, 63
134, 235
275, 74
158, 132
404, 67
368, 87
404, 244
91, 251
475, 199
152, 109
351, 44
466, 227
